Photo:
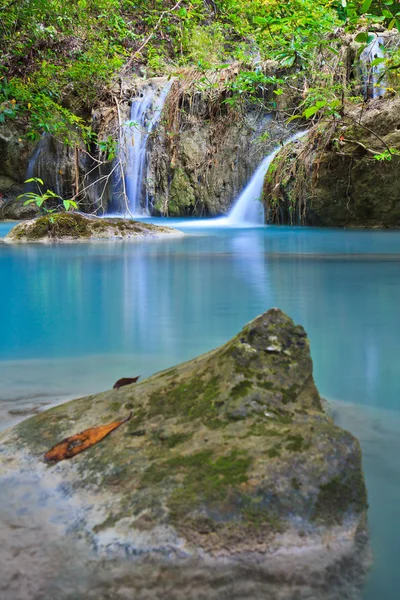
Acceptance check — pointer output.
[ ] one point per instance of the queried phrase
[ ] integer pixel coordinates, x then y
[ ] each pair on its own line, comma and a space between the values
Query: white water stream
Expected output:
248, 210
144, 116
373, 81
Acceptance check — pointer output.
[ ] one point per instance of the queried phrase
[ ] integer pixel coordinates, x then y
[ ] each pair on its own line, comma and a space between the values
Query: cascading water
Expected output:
248, 210
144, 116
372, 75
32, 165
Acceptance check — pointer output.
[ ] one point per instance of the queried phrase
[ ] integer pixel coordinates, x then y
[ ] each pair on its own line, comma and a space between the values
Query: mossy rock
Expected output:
228, 454
67, 227
333, 178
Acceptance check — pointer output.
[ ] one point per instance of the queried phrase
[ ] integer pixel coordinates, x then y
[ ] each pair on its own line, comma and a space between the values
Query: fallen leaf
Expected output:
81, 441
125, 381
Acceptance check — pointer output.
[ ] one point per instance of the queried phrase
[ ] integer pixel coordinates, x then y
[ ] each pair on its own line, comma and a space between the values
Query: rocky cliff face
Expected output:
206, 152
333, 178
198, 158
57, 164
229, 456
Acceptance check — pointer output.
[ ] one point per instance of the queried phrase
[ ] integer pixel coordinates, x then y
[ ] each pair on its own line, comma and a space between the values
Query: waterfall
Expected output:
373, 86
248, 208
32, 165
144, 115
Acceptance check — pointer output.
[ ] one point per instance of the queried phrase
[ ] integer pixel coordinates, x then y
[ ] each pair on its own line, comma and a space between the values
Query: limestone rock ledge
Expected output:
72, 227
229, 456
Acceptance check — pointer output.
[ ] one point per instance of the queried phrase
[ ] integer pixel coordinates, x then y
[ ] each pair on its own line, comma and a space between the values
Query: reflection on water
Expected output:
76, 318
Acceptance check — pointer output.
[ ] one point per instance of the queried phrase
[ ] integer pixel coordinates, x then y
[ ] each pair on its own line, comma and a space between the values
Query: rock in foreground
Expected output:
67, 227
229, 455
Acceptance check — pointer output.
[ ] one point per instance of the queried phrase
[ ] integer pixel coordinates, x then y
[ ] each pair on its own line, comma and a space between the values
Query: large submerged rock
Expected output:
67, 227
227, 456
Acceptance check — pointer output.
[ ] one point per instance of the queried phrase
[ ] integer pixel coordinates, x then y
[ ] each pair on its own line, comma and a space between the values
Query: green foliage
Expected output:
386, 12
206, 45
387, 154
41, 198
59, 58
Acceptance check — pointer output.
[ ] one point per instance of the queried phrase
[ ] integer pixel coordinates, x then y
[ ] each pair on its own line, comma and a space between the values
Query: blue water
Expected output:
74, 318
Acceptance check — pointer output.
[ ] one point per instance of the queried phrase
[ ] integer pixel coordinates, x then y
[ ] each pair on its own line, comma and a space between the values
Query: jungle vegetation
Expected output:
58, 58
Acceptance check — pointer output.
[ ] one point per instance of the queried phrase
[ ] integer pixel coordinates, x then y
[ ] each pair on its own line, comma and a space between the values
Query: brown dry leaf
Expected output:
81, 441
125, 381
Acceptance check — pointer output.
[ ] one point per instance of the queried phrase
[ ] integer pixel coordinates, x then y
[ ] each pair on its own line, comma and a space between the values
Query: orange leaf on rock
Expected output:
81, 441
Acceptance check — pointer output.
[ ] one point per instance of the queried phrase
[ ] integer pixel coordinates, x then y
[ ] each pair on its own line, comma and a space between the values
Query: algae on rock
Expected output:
69, 226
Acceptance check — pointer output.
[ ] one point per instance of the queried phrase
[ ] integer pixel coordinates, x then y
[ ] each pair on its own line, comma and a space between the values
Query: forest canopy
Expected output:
58, 57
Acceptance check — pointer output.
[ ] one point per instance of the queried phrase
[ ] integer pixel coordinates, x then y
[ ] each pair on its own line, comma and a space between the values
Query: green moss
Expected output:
109, 522
176, 439
275, 451
267, 385
242, 370
263, 428
58, 225
340, 496
207, 481
42, 431
181, 194
296, 485
216, 423
258, 516
193, 399
295, 443
204, 479
241, 389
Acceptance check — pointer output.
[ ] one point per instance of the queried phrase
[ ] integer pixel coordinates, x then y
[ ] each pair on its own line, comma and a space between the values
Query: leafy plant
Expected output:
387, 154
41, 198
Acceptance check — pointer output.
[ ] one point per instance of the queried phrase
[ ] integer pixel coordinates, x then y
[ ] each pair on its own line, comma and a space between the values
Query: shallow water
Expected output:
76, 318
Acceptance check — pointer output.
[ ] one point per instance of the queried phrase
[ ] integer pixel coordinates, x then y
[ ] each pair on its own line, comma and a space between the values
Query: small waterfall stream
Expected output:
373, 82
248, 210
32, 166
144, 115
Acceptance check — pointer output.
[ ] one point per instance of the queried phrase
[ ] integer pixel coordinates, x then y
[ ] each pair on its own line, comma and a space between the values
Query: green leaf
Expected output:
378, 61
365, 6
361, 38
51, 194
37, 179
387, 13
333, 50
309, 112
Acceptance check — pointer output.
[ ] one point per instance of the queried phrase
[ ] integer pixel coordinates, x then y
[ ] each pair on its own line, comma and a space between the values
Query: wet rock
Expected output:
66, 227
205, 167
282, 486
